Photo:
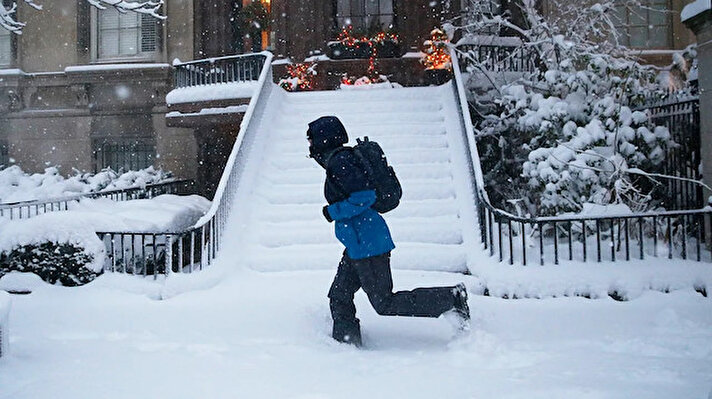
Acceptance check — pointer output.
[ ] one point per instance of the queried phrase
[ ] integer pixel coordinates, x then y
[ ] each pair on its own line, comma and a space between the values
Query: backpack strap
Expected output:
336, 183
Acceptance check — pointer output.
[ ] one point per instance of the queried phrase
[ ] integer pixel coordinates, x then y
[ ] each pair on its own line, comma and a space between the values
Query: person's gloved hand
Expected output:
325, 211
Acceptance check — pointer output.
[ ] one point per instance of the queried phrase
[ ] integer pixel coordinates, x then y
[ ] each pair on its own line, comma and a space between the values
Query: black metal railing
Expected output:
234, 68
159, 253
29, 209
680, 113
683, 234
676, 234
495, 58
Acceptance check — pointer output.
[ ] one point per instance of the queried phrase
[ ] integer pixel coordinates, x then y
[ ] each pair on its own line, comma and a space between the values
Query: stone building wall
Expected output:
57, 104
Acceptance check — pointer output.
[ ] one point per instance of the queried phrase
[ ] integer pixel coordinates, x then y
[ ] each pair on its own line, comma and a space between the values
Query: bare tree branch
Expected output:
9, 21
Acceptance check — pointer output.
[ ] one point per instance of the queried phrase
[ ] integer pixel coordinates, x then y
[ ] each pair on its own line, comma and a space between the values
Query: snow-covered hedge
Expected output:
576, 140
16, 185
63, 247
566, 134
4, 323
56, 263
62, 250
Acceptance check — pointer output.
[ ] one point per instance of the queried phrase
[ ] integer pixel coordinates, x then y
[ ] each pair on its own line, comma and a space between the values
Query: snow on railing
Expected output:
29, 209
676, 234
193, 249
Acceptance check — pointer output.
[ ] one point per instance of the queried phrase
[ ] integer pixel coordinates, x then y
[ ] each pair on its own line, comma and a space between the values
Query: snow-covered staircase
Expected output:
279, 225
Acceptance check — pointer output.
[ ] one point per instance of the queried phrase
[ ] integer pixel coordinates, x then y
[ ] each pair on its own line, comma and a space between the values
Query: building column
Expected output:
700, 22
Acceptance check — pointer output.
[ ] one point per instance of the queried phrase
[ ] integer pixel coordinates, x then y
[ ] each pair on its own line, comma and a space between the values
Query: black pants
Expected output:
374, 276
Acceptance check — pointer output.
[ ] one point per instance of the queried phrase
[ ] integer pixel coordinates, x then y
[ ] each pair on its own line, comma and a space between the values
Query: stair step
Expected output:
330, 107
406, 256
300, 194
372, 130
315, 174
388, 143
395, 157
385, 95
352, 117
295, 212
266, 185
317, 230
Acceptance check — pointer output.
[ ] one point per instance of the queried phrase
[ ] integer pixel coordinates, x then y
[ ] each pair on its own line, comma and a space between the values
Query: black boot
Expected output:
461, 307
459, 315
348, 334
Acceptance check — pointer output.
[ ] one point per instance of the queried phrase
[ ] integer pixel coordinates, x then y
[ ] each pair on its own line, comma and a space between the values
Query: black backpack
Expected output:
381, 175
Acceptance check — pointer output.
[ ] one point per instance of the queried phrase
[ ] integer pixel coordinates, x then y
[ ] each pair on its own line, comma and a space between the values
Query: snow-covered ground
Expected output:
266, 335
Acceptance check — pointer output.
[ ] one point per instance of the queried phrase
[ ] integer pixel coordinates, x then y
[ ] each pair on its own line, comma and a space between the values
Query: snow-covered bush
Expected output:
63, 247
565, 134
66, 264
68, 253
16, 185
580, 139
682, 72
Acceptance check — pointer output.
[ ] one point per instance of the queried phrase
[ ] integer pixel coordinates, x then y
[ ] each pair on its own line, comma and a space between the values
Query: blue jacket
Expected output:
362, 230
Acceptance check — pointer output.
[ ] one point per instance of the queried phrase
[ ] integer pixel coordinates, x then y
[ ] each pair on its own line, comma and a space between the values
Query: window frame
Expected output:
626, 27
143, 148
13, 45
11, 55
338, 17
155, 56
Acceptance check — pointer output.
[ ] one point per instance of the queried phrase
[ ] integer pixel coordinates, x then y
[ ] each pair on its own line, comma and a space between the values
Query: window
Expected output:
5, 48
476, 11
645, 26
365, 15
128, 34
123, 154
5, 41
481, 7
4, 155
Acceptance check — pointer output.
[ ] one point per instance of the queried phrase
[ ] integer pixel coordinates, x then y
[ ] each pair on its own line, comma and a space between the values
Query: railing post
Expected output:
169, 254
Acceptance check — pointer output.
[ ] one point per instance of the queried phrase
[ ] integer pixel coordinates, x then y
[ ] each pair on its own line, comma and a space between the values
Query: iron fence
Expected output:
496, 58
29, 209
681, 115
682, 234
157, 253
235, 68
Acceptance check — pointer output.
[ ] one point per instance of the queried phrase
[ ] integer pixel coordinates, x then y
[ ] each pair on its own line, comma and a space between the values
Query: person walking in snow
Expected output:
363, 231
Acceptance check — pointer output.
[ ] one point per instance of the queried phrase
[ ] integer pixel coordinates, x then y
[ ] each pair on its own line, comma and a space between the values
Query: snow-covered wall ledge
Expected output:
695, 9
4, 323
212, 92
